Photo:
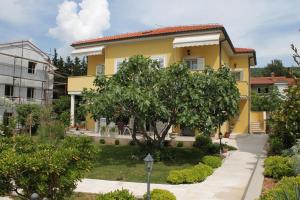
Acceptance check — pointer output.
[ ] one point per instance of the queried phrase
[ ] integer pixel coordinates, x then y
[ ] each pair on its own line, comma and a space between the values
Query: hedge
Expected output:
212, 161
195, 174
117, 195
279, 166
287, 188
159, 194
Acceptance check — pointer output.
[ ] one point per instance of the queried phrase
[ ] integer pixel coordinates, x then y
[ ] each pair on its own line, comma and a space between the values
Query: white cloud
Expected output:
268, 26
81, 21
16, 12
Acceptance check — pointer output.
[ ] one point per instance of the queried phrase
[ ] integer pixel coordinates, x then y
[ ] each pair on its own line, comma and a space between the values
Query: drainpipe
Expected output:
220, 52
249, 95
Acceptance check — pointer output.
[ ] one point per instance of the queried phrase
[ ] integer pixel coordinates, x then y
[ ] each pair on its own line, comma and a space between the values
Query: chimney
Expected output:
272, 74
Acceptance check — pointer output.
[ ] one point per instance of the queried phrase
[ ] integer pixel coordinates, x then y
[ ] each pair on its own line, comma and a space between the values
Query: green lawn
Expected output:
120, 163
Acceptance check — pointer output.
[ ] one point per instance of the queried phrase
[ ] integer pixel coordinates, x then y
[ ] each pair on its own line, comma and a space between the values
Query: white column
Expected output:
72, 112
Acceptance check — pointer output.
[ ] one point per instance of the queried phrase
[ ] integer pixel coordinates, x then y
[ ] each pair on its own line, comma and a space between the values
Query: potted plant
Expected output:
227, 134
112, 131
103, 130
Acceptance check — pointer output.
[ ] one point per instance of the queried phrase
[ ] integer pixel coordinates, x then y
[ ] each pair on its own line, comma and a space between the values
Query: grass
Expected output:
121, 163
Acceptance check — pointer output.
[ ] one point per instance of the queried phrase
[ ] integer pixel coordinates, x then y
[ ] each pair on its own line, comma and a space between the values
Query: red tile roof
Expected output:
153, 32
244, 50
271, 80
165, 31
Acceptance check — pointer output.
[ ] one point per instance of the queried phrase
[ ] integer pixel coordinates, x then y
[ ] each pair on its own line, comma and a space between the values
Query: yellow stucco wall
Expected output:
164, 47
242, 120
256, 116
78, 83
93, 61
89, 122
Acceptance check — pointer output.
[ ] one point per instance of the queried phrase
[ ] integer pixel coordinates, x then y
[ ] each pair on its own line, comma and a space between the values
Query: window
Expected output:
6, 116
118, 62
30, 93
31, 67
160, 59
238, 75
258, 90
100, 69
9, 90
195, 63
266, 90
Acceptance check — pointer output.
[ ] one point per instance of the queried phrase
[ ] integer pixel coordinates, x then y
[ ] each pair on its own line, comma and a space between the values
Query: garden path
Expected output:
232, 181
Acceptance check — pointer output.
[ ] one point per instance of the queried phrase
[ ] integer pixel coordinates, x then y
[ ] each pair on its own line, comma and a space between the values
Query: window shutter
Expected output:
118, 61
241, 75
201, 63
100, 69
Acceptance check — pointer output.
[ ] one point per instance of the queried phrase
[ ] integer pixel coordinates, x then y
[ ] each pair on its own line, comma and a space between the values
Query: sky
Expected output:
268, 26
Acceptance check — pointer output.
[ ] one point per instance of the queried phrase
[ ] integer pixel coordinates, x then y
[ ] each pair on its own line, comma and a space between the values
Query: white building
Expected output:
26, 76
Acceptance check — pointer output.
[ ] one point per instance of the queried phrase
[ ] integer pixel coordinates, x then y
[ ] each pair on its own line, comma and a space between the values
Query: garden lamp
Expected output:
149, 164
34, 196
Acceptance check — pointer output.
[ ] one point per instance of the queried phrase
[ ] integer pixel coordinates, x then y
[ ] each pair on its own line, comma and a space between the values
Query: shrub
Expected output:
212, 149
278, 166
102, 141
202, 141
195, 174
53, 131
276, 145
179, 144
212, 161
159, 194
285, 120
116, 195
287, 188
40, 168
117, 142
131, 143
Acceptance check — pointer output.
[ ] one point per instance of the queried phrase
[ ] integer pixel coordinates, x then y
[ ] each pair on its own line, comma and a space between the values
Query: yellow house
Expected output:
197, 45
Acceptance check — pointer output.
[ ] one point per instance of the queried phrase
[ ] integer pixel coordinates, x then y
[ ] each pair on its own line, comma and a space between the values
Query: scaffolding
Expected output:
13, 70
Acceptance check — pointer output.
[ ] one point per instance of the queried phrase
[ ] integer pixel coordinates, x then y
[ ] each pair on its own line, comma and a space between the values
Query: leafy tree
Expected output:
277, 67
266, 101
28, 113
286, 120
61, 107
296, 55
52, 171
174, 95
65, 68
8, 129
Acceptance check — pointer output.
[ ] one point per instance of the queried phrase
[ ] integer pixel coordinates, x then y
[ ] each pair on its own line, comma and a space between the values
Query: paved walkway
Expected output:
229, 182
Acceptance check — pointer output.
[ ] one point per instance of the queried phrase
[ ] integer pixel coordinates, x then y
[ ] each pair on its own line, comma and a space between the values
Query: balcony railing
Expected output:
78, 83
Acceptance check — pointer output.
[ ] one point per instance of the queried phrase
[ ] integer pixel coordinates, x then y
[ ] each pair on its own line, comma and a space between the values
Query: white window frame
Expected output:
241, 71
117, 62
199, 60
157, 57
97, 68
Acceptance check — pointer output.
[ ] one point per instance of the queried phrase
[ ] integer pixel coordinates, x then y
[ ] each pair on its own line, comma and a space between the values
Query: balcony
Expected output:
78, 83
243, 87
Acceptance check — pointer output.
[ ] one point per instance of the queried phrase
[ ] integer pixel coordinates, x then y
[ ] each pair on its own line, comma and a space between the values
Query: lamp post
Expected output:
149, 164
220, 138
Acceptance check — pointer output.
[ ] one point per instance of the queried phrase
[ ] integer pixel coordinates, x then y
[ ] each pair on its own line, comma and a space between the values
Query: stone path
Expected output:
238, 178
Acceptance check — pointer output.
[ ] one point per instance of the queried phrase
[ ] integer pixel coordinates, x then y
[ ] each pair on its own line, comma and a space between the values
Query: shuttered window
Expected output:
100, 69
